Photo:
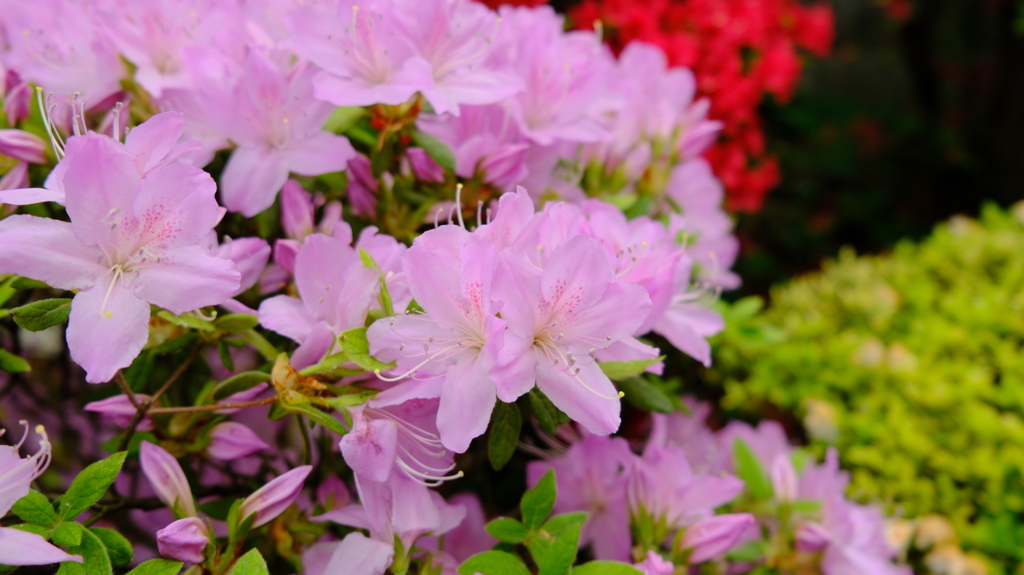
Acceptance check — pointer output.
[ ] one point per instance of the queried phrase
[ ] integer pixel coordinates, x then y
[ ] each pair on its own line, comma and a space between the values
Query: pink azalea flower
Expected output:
268, 110
566, 95
458, 335
468, 538
364, 60
153, 35
60, 46
336, 292
559, 316
698, 194
592, 476
484, 139
151, 145
713, 536
232, 440
131, 242
17, 473
184, 540
118, 409
454, 37
665, 487
655, 564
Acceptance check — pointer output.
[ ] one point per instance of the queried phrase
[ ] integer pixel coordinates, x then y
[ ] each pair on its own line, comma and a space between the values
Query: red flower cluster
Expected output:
740, 50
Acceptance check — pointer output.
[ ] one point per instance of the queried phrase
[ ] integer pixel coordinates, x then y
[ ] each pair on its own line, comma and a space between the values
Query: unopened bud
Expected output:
273, 498
167, 478
23, 146
231, 440
713, 536
183, 540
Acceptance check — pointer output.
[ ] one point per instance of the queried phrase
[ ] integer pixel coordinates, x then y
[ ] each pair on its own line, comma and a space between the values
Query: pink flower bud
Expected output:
296, 211
23, 146
231, 440
167, 478
18, 103
811, 537
285, 252
654, 564
424, 166
333, 494
713, 536
183, 540
16, 178
119, 410
250, 256
273, 498
783, 476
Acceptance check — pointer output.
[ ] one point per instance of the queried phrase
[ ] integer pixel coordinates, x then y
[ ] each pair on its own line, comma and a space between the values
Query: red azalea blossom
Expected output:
740, 50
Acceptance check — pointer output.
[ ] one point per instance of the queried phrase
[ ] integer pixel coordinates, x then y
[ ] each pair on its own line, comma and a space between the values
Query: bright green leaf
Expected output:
561, 554
644, 395
118, 548
563, 521
35, 508
158, 567
508, 530
266, 349
749, 469
436, 149
67, 534
343, 118
538, 502
94, 555
27, 283
89, 486
252, 563
506, 423
187, 320
12, 363
605, 568
314, 414
42, 314
233, 322
241, 382
357, 347
218, 508
493, 563
619, 370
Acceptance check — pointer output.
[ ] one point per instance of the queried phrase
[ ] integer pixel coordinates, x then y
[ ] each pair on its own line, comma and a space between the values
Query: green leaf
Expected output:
158, 567
94, 555
619, 370
7, 288
218, 508
749, 552
804, 506
343, 118
508, 530
563, 521
383, 296
538, 502
225, 355
42, 314
331, 365
749, 469
35, 508
493, 563
174, 344
27, 283
233, 322
506, 423
642, 394
605, 568
67, 534
266, 349
314, 414
436, 149
561, 554
251, 563
12, 363
187, 320
89, 486
33, 528
549, 416
118, 548
357, 347
241, 382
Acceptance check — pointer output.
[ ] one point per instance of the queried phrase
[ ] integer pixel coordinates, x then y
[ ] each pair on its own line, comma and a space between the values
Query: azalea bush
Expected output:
324, 288
910, 364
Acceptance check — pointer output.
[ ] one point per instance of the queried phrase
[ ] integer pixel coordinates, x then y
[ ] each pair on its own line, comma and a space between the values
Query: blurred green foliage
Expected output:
912, 363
